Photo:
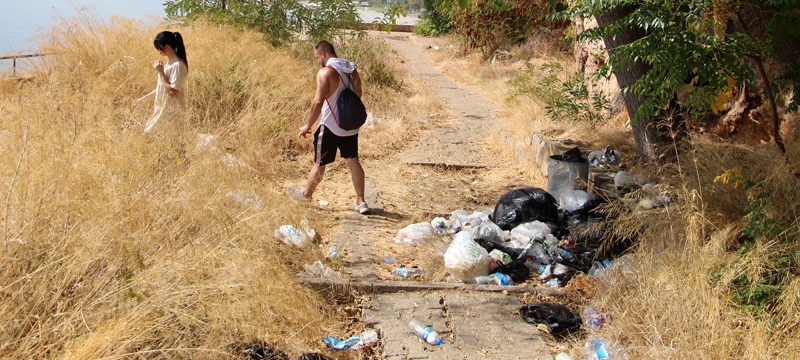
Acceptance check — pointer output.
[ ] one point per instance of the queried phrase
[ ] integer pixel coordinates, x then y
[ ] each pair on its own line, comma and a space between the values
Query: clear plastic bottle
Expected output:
494, 279
596, 349
367, 338
594, 318
404, 272
425, 333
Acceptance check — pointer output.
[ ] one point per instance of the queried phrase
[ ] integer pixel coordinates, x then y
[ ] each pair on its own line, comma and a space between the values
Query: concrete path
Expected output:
475, 325
461, 142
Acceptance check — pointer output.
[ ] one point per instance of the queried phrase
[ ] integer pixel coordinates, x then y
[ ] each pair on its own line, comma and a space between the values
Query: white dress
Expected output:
168, 111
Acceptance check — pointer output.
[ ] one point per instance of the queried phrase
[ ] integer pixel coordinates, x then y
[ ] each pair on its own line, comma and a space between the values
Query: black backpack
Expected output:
352, 113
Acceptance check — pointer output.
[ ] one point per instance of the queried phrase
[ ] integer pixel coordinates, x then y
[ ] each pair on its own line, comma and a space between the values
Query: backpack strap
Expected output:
335, 118
349, 80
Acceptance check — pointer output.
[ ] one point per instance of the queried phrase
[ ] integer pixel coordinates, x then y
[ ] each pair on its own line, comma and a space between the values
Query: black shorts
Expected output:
326, 143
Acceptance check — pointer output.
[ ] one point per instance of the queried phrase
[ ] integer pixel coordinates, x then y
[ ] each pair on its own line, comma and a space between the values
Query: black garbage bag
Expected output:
580, 260
601, 241
490, 245
589, 208
313, 356
257, 351
559, 319
573, 155
525, 205
516, 270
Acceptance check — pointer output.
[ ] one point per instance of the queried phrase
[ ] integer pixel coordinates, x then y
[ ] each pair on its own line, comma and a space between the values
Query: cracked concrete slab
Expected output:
473, 326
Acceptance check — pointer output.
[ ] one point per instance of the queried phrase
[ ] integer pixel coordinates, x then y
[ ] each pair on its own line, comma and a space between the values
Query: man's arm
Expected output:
316, 104
356, 82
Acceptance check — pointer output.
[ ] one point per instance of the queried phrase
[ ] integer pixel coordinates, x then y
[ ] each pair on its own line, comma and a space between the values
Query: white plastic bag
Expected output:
572, 200
319, 270
465, 259
205, 142
516, 241
444, 227
532, 230
488, 231
500, 257
458, 218
623, 178
476, 218
415, 233
245, 198
291, 235
232, 161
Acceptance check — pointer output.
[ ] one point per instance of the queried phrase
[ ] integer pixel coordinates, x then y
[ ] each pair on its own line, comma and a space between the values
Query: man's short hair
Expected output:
325, 46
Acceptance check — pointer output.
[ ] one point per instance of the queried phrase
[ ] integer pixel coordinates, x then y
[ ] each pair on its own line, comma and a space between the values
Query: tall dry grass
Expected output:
116, 244
674, 297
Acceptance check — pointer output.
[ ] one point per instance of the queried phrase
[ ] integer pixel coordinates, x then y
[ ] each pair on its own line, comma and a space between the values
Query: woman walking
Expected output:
170, 95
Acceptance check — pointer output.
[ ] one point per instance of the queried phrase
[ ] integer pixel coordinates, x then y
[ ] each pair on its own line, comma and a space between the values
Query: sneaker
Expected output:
362, 208
298, 194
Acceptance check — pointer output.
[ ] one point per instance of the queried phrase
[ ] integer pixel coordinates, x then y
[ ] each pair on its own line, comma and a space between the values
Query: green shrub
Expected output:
426, 27
563, 101
370, 56
280, 21
488, 25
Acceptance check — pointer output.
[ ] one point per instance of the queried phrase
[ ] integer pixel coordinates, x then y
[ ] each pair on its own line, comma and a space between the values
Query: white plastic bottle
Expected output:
425, 333
367, 338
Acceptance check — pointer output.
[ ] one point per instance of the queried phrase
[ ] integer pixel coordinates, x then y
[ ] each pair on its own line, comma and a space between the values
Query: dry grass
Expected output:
120, 245
523, 113
673, 299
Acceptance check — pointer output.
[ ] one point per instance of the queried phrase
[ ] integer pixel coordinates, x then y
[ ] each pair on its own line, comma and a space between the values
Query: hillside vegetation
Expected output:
117, 244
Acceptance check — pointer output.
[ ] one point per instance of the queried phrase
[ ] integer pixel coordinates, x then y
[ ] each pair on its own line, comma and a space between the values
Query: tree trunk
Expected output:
643, 127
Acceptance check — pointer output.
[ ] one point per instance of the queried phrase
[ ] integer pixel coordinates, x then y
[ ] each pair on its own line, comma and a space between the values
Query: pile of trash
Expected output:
527, 233
543, 235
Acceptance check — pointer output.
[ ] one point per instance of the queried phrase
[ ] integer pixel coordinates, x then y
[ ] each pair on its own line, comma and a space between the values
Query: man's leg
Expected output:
314, 178
357, 175
349, 148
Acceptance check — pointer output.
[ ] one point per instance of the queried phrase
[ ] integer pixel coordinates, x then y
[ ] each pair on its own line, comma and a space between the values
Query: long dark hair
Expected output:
173, 39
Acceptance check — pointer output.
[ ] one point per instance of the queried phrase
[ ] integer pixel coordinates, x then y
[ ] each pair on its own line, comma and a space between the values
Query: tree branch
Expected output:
776, 120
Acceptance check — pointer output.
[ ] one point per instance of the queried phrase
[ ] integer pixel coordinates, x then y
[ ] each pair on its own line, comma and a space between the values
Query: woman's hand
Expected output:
158, 66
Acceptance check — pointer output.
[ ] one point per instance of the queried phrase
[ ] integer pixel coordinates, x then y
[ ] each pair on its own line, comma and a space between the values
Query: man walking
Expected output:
335, 75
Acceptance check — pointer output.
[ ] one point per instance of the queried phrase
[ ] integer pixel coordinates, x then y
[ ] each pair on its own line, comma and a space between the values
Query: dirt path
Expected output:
452, 165
463, 142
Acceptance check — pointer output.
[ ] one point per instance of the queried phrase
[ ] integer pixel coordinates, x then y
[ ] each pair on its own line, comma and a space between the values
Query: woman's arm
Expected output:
158, 66
177, 79
146, 96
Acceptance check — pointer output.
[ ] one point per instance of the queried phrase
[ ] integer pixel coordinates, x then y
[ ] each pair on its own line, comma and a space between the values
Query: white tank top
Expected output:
329, 108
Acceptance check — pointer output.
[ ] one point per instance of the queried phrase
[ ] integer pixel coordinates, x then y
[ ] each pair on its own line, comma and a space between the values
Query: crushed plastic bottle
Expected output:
333, 253
367, 338
494, 279
594, 318
598, 267
596, 349
546, 272
425, 333
560, 269
553, 283
405, 272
